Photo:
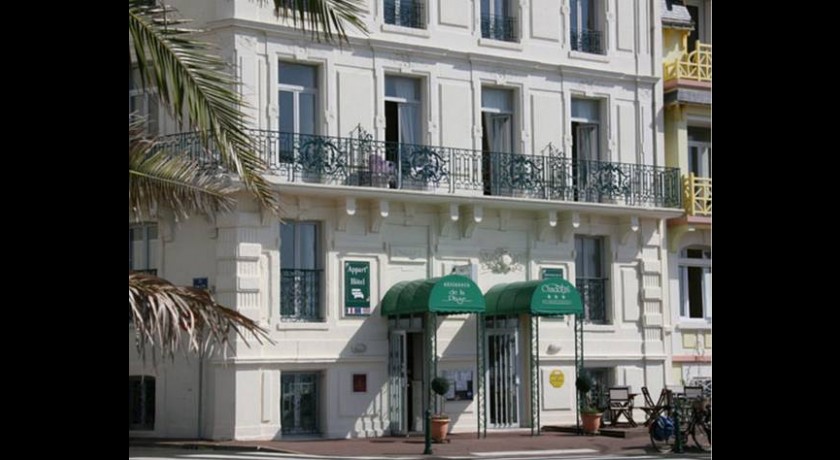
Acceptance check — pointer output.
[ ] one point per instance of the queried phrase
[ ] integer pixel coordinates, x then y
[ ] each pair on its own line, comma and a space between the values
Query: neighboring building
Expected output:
502, 140
687, 51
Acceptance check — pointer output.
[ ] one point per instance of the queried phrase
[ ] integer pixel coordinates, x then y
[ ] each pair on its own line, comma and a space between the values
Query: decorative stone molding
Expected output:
500, 261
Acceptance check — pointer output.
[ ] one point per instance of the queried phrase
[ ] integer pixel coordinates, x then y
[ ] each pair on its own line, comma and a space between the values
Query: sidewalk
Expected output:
636, 442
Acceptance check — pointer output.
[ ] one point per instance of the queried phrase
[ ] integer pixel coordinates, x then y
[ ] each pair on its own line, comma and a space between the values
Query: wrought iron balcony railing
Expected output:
499, 27
698, 195
406, 13
362, 162
587, 40
300, 295
696, 65
593, 293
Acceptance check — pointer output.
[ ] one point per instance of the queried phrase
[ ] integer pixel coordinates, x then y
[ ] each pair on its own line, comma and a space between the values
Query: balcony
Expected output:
698, 195
300, 295
405, 13
499, 27
587, 41
362, 162
695, 65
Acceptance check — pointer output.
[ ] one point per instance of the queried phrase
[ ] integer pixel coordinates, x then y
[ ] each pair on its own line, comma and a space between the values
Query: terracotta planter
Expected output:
440, 426
591, 422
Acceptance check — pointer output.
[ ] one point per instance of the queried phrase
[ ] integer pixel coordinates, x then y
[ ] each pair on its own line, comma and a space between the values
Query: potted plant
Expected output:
590, 414
440, 422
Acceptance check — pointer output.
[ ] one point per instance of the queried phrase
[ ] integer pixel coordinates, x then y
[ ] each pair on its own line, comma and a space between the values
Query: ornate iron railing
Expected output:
499, 27
696, 65
587, 40
698, 195
406, 13
300, 295
594, 296
360, 161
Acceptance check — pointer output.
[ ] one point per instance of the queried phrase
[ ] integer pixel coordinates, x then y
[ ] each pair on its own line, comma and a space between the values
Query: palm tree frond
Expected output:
158, 177
191, 80
325, 18
165, 315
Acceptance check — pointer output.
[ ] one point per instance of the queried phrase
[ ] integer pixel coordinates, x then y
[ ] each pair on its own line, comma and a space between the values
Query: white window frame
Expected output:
148, 98
415, 102
296, 91
705, 263
598, 10
145, 227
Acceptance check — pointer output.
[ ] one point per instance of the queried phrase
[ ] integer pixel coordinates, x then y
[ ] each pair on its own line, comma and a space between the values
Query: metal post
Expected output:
578, 365
535, 374
678, 445
427, 422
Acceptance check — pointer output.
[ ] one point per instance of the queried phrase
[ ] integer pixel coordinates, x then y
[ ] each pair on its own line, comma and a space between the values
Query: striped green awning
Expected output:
548, 297
450, 294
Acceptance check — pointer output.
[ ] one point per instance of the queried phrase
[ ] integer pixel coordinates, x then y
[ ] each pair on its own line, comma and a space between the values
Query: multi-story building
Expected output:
501, 140
687, 60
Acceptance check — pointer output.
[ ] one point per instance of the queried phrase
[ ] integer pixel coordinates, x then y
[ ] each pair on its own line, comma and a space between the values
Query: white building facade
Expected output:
503, 140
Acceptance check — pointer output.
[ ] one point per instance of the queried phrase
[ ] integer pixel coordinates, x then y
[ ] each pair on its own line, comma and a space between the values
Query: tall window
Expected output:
497, 134
700, 151
143, 247
403, 126
406, 13
298, 99
300, 395
586, 33
586, 154
141, 402
300, 271
591, 277
497, 21
695, 266
699, 9
143, 102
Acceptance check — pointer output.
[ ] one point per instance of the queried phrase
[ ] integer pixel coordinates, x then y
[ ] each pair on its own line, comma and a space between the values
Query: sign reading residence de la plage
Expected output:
356, 288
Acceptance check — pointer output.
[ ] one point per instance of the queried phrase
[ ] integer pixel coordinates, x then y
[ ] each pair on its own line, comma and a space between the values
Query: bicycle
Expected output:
696, 419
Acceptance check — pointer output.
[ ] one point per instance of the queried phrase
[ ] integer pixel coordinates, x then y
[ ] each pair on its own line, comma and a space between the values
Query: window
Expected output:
591, 280
497, 21
298, 102
143, 102
602, 376
141, 402
300, 271
143, 248
403, 113
695, 265
586, 152
700, 151
699, 10
497, 134
585, 26
299, 402
406, 13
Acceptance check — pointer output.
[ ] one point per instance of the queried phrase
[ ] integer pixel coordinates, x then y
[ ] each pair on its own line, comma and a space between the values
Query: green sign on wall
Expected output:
552, 273
356, 288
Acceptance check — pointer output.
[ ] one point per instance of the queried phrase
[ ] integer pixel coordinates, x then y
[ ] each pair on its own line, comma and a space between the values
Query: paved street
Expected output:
153, 453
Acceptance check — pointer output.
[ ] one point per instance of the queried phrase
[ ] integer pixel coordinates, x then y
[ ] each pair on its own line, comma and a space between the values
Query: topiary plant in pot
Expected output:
590, 414
440, 421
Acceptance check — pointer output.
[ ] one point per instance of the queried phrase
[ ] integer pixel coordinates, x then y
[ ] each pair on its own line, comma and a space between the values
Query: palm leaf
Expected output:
165, 316
193, 82
161, 178
323, 18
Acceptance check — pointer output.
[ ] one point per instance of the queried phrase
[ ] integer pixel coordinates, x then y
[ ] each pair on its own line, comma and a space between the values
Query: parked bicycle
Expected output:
695, 419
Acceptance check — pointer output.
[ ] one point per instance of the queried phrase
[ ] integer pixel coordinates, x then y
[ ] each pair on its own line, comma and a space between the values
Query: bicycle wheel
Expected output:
702, 435
664, 444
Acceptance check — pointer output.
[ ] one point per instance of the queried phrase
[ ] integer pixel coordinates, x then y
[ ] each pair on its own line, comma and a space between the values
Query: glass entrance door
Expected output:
397, 379
503, 380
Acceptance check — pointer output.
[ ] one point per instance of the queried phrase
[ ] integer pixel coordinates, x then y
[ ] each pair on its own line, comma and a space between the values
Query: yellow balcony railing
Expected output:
696, 65
698, 195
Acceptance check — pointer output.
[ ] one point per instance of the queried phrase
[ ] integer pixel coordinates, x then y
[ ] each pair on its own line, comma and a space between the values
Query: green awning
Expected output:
552, 296
450, 294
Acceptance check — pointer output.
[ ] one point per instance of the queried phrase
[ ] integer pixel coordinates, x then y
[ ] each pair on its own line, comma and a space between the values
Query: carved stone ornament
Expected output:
500, 261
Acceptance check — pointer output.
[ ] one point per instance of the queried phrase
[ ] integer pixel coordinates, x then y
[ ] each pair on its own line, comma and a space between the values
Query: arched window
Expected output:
141, 402
695, 266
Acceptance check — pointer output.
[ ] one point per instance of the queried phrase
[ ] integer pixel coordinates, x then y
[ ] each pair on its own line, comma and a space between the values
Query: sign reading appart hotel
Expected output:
356, 288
